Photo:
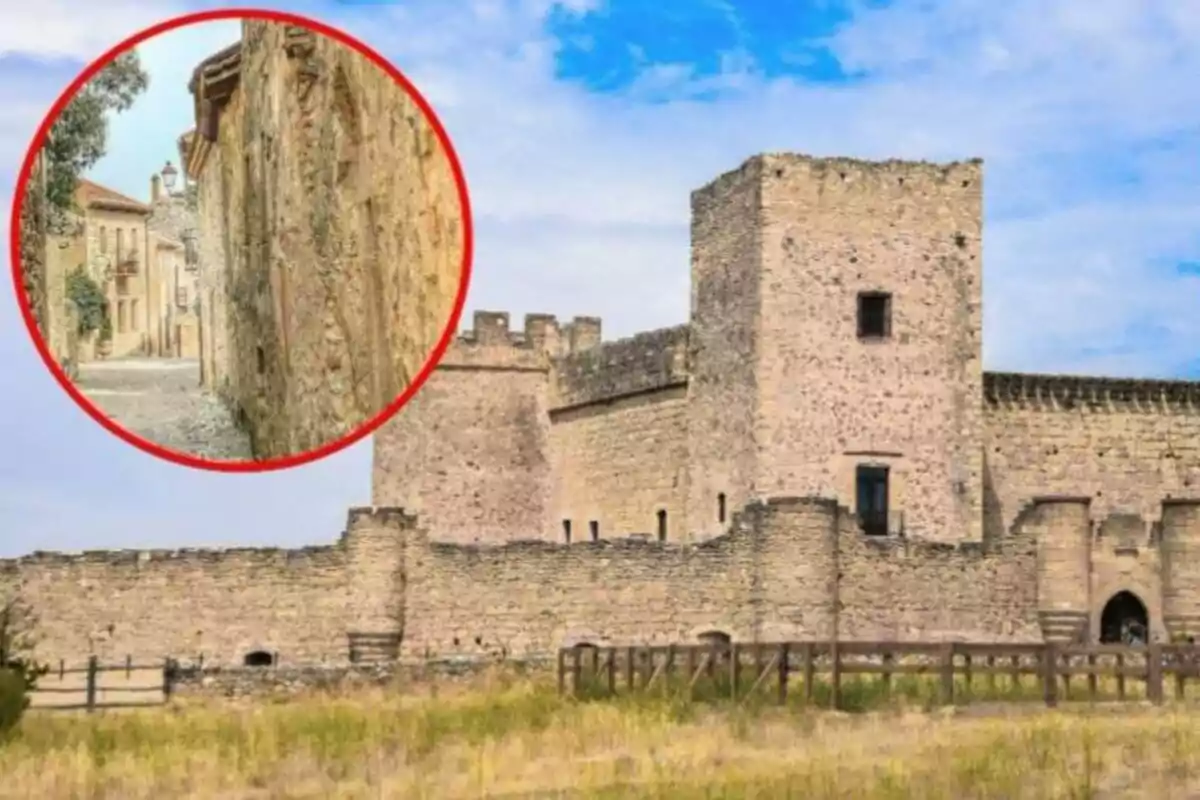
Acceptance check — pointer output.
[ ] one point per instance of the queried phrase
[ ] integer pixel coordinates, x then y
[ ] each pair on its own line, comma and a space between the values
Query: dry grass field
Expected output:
508, 736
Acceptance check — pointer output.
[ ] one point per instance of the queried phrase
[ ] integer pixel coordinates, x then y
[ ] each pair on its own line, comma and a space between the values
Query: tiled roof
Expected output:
89, 194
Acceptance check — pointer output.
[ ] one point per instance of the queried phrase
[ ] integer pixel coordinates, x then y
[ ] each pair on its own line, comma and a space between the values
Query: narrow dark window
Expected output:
721, 507
262, 359
662, 525
874, 315
567, 531
594, 528
873, 500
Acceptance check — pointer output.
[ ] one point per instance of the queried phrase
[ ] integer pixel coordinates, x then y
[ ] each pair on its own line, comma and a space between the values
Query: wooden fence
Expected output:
948, 672
91, 687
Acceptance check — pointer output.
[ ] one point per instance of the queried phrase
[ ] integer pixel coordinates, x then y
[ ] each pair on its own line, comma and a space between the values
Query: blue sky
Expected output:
583, 126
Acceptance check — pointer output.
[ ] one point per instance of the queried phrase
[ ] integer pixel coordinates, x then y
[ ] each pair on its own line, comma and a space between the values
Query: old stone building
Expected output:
331, 235
117, 254
173, 228
818, 453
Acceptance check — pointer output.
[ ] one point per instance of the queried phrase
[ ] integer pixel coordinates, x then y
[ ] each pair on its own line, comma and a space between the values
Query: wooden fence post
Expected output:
783, 673
835, 694
1154, 673
810, 673
735, 675
1050, 674
576, 671
168, 678
947, 673
562, 671
92, 670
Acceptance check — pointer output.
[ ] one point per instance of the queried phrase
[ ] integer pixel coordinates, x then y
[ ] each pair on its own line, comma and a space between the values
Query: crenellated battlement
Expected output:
492, 343
1071, 393
370, 517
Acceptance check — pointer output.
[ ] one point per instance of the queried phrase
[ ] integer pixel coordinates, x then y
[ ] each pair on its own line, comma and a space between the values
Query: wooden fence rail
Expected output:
168, 668
955, 670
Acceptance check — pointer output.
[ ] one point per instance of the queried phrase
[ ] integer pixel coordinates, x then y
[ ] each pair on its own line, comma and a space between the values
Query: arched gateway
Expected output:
1124, 620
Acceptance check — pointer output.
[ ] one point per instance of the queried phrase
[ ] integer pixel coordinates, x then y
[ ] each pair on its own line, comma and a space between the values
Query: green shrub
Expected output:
14, 699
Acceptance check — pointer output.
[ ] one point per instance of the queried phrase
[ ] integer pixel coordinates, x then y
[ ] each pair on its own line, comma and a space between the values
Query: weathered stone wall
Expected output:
1127, 445
905, 590
173, 220
772, 577
219, 238
618, 437
830, 401
220, 605
469, 452
1181, 568
723, 393
344, 238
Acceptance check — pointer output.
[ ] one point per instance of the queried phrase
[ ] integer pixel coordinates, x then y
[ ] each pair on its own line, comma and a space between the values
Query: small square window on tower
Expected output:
874, 315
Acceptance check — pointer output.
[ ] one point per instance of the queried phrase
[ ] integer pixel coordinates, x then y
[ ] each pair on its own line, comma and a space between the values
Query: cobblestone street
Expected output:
161, 400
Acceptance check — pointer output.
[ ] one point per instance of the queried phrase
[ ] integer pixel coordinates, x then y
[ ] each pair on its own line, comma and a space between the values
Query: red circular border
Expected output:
287, 461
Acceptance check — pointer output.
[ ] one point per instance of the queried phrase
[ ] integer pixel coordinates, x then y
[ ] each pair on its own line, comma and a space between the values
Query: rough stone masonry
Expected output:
330, 235
817, 453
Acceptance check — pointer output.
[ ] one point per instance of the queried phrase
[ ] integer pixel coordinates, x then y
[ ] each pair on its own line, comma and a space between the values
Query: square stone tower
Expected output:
836, 342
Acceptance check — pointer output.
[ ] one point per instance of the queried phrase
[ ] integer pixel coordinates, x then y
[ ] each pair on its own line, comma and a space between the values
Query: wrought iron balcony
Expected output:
127, 263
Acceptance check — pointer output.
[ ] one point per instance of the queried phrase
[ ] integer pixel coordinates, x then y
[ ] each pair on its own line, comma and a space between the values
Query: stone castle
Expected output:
818, 453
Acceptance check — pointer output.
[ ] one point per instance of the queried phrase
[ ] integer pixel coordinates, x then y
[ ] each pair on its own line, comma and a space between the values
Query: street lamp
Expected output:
168, 176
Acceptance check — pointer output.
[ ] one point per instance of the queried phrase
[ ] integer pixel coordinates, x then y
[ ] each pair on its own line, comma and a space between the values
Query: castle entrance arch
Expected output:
1124, 620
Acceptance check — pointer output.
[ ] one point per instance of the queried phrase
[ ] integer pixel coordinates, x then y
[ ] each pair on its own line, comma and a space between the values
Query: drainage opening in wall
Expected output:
259, 658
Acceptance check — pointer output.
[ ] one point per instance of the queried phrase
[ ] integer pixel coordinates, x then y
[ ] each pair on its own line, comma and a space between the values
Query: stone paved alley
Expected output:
161, 400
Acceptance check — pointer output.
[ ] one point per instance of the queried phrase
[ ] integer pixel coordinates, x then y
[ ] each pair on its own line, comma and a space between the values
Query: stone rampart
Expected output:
643, 363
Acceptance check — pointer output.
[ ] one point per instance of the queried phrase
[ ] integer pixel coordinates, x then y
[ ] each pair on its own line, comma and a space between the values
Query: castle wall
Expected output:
151, 605
533, 597
219, 604
903, 590
348, 237
830, 401
1128, 445
469, 452
618, 436
772, 577
724, 392
1181, 568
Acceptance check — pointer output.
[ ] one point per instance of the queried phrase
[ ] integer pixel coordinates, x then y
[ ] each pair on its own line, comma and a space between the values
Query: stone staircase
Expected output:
1063, 627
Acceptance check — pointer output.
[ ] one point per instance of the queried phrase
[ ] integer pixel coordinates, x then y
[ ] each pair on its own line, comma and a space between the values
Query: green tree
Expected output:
19, 672
79, 137
91, 304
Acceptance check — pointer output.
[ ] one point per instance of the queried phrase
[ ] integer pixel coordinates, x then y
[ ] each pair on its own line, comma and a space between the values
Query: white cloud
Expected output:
79, 30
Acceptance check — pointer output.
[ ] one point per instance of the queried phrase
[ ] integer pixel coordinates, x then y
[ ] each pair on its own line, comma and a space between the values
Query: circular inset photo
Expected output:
241, 240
